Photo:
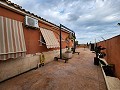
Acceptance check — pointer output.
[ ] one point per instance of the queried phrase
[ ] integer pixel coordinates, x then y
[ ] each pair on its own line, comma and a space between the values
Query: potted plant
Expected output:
68, 53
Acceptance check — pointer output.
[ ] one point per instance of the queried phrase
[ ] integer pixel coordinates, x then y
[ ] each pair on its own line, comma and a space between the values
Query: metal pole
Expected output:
60, 43
67, 28
74, 45
61, 38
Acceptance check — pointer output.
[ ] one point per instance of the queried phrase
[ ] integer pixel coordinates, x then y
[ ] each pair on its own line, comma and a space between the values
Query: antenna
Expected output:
99, 40
103, 38
118, 24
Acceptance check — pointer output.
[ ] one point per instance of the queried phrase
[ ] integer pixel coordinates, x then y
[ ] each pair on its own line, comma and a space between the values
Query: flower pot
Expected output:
68, 54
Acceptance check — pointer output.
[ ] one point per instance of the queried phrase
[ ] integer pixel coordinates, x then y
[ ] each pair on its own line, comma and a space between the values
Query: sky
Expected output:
92, 20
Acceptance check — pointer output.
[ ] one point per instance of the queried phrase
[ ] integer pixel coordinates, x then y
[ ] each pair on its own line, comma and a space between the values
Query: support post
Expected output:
74, 44
60, 43
61, 27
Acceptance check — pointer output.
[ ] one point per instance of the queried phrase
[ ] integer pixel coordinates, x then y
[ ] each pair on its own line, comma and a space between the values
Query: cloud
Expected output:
90, 19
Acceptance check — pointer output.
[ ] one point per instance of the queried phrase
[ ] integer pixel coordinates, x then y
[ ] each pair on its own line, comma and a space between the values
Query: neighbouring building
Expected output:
22, 36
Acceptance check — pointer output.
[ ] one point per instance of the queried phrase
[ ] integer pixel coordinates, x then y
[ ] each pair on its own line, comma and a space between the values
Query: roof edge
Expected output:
19, 9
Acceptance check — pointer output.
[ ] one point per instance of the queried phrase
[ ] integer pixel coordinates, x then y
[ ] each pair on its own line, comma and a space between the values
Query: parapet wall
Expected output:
112, 52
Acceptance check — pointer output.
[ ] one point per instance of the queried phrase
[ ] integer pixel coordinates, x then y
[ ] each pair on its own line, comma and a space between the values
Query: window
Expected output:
42, 41
49, 38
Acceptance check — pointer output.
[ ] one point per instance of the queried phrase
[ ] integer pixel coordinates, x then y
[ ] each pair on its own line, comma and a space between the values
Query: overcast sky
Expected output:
90, 19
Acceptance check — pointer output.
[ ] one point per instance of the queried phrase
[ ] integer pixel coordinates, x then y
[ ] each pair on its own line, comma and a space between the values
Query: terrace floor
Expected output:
78, 74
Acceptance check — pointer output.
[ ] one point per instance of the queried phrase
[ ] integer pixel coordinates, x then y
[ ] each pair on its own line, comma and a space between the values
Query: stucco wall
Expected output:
10, 68
32, 35
113, 52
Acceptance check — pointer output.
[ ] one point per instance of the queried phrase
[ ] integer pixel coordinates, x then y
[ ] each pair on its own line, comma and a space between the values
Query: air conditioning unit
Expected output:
29, 21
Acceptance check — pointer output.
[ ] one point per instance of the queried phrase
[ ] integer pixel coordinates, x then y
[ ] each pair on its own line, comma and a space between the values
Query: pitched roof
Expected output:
21, 9
16, 6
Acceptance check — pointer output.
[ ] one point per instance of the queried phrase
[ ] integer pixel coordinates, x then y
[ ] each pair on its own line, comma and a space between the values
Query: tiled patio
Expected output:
78, 74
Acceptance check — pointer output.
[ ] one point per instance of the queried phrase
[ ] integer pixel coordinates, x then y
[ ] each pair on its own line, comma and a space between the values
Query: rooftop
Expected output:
79, 74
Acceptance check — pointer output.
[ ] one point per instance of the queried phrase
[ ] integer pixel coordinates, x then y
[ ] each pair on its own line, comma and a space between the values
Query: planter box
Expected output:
68, 55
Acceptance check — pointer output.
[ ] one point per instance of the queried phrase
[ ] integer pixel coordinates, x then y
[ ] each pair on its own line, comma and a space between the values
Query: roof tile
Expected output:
20, 8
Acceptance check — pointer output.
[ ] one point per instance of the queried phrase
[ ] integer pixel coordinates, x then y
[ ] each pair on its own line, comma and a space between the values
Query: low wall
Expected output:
13, 67
112, 52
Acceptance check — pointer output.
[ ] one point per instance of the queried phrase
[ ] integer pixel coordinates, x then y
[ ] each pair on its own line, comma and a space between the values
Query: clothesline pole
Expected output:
60, 43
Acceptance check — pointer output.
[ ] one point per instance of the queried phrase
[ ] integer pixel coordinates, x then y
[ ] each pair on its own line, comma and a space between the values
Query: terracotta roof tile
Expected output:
20, 8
